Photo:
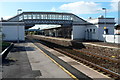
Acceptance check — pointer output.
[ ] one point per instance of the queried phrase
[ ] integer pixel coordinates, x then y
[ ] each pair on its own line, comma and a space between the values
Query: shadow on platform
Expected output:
22, 48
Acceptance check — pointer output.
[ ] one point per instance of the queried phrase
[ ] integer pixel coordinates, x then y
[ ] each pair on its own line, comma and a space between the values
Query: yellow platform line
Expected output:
57, 64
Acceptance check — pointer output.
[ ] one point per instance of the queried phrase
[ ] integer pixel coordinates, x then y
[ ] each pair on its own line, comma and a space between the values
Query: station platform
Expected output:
56, 38
34, 61
93, 43
27, 62
111, 50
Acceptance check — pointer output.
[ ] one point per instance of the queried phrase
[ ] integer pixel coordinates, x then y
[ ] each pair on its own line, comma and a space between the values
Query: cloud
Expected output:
53, 9
114, 5
81, 7
51, 0
115, 0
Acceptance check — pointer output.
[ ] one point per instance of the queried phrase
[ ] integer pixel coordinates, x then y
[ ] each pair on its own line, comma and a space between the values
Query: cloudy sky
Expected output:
82, 8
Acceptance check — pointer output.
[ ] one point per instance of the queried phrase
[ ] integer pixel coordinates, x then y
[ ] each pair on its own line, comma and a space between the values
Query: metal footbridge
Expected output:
32, 18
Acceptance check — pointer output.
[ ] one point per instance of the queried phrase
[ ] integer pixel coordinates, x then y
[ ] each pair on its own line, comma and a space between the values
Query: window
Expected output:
45, 16
37, 16
106, 31
87, 30
90, 30
42, 16
49, 16
21, 18
29, 16
59, 16
53, 16
93, 30
67, 17
34, 16
25, 16
64, 17
71, 18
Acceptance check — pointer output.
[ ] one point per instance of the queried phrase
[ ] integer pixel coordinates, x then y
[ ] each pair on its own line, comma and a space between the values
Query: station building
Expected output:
93, 31
117, 29
13, 31
71, 26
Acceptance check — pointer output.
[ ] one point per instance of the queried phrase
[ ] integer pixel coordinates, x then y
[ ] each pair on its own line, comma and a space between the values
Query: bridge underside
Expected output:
63, 23
64, 32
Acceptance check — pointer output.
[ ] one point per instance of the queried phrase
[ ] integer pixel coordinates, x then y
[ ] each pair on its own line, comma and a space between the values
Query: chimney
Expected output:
1, 18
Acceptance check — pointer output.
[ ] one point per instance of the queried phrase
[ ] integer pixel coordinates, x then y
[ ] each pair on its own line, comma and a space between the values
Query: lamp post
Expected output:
105, 15
18, 24
105, 22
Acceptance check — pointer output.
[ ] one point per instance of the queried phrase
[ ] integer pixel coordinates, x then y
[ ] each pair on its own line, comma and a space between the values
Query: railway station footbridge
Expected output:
72, 26
69, 22
32, 18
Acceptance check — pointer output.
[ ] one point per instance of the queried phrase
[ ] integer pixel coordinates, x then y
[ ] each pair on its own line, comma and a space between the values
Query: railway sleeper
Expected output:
98, 56
99, 70
85, 62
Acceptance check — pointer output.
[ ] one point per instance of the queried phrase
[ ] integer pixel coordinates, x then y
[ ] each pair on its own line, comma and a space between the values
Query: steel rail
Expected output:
107, 71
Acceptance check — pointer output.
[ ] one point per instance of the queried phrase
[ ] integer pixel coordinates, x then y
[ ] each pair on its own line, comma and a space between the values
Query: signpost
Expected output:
105, 28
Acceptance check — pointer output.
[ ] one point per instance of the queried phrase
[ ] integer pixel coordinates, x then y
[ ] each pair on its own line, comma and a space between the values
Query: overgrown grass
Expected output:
4, 45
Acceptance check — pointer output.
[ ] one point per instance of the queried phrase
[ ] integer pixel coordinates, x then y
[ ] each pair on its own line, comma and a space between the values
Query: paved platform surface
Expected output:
102, 44
26, 61
42, 63
99, 44
77, 65
56, 38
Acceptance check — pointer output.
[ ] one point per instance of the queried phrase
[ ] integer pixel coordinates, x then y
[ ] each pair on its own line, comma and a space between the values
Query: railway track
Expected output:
100, 63
99, 56
92, 65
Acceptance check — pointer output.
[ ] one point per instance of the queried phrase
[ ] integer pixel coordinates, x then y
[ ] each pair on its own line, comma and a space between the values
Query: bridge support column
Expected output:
13, 31
57, 32
78, 32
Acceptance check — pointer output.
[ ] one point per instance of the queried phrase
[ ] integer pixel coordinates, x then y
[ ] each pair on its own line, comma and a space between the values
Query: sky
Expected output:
82, 8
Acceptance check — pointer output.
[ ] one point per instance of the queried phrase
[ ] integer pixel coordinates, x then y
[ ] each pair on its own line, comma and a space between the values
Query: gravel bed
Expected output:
114, 53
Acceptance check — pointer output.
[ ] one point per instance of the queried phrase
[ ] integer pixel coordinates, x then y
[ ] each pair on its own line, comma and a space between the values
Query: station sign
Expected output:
105, 27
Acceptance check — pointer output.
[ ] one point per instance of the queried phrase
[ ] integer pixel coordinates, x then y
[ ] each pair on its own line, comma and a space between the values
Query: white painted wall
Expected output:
99, 23
112, 38
110, 20
78, 32
13, 31
96, 20
117, 31
93, 35
110, 28
117, 38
